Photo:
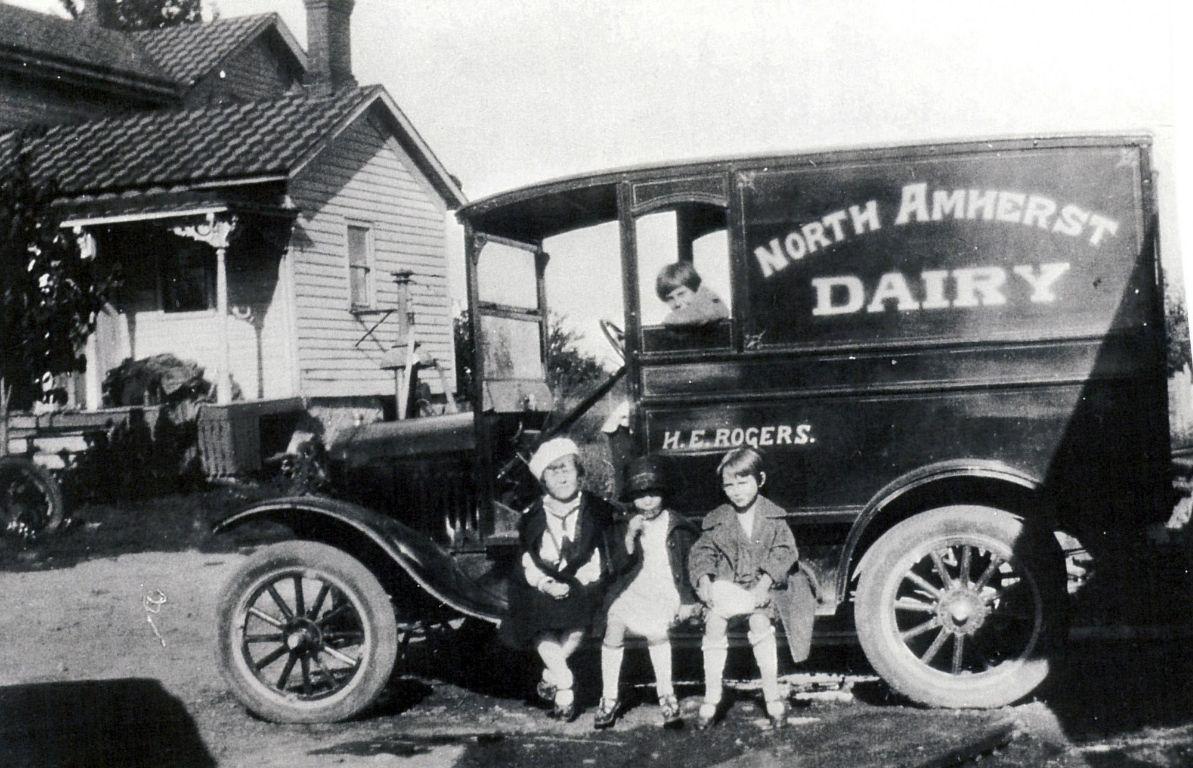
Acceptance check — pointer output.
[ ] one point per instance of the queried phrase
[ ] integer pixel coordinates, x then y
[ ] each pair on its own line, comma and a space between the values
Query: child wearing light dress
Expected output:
652, 594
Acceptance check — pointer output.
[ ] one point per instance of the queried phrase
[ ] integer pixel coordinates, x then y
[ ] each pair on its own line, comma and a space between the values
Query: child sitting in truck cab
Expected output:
679, 286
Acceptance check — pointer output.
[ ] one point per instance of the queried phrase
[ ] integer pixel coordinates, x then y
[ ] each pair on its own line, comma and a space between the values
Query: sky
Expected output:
512, 92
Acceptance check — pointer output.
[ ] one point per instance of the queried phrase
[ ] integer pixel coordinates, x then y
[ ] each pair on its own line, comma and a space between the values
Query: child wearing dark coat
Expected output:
742, 558
692, 303
652, 594
567, 540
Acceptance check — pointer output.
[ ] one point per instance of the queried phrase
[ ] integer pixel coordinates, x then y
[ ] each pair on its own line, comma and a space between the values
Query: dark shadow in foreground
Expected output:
93, 723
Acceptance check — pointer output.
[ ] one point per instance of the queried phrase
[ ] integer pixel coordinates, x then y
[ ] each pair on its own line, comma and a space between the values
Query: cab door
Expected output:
676, 232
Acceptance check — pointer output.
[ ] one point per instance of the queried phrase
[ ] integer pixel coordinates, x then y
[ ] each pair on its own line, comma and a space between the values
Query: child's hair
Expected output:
672, 276
741, 462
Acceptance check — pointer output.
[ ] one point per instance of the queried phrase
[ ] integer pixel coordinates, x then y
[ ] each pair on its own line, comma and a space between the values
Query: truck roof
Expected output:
537, 211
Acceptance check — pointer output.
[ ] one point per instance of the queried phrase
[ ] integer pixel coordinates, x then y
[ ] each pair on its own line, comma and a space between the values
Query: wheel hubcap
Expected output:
961, 611
304, 637
300, 647
961, 608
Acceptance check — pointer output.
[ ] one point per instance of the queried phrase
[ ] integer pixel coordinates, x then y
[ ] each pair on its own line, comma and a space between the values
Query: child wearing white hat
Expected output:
566, 538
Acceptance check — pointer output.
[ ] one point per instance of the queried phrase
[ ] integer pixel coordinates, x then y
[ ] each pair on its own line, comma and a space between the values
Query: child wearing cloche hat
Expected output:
653, 593
567, 539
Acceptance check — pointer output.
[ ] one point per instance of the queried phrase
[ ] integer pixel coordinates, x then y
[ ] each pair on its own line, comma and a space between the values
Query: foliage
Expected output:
140, 14
462, 333
51, 293
570, 372
1176, 327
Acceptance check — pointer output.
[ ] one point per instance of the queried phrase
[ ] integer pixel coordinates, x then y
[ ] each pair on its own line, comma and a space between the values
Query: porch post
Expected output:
216, 231
93, 376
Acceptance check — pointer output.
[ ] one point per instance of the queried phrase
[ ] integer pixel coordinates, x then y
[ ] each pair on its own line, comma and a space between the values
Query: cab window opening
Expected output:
684, 283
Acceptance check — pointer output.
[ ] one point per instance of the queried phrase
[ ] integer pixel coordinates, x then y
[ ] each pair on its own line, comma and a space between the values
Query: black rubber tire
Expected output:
355, 584
887, 645
20, 476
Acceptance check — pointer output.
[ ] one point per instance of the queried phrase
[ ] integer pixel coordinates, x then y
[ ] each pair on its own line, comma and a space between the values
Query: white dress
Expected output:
650, 602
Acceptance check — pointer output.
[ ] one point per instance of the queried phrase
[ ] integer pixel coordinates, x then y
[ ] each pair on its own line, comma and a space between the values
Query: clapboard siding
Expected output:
365, 178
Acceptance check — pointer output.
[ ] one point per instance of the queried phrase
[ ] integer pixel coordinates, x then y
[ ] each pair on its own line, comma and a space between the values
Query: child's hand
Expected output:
556, 589
703, 589
635, 527
687, 612
761, 593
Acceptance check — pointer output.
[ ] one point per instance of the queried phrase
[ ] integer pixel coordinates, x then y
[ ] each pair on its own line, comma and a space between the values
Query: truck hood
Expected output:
412, 438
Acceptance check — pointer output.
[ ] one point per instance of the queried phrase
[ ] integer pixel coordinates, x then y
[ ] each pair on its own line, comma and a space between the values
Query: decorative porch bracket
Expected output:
216, 231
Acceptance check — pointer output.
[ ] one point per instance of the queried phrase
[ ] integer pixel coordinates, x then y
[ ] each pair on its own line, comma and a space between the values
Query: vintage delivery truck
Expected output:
948, 353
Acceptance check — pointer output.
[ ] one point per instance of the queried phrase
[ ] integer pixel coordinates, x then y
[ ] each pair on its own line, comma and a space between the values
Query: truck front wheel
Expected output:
962, 606
306, 634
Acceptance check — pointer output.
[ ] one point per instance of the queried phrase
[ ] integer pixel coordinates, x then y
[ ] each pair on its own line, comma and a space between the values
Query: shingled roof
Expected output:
169, 59
102, 52
189, 51
176, 147
213, 145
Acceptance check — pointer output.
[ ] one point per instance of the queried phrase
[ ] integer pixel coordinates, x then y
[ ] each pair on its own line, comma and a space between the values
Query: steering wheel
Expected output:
615, 336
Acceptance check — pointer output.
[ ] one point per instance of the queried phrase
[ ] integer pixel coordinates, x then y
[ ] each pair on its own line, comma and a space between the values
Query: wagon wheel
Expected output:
961, 606
306, 634
31, 502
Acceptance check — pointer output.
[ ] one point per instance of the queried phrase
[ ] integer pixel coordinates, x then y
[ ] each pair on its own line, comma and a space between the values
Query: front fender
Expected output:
424, 561
942, 471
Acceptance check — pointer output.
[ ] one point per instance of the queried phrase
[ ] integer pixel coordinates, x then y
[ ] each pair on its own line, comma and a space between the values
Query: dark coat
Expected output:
532, 611
681, 533
724, 552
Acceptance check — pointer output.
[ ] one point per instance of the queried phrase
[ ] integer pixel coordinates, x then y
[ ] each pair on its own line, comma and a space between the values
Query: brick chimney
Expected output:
329, 43
90, 13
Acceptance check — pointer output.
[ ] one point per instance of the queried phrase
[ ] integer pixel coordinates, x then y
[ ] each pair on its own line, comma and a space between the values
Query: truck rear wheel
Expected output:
306, 634
962, 606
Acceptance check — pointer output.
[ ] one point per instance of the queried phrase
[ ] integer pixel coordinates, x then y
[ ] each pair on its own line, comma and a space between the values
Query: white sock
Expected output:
556, 663
564, 696
610, 671
660, 659
714, 670
766, 654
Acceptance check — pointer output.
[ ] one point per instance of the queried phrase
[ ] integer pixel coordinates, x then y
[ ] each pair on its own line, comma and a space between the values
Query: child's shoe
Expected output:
671, 713
606, 714
564, 712
776, 712
708, 715
545, 691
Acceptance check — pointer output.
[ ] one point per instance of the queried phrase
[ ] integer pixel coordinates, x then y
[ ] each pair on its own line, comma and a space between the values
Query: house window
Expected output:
360, 260
187, 277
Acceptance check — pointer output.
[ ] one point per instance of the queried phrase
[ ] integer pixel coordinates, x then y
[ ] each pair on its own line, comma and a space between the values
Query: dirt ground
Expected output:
86, 679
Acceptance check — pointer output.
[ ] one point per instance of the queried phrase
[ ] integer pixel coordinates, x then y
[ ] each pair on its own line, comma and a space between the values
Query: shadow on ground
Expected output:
93, 723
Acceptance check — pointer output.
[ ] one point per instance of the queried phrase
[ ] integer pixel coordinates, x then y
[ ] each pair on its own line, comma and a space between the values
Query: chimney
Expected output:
90, 13
329, 43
